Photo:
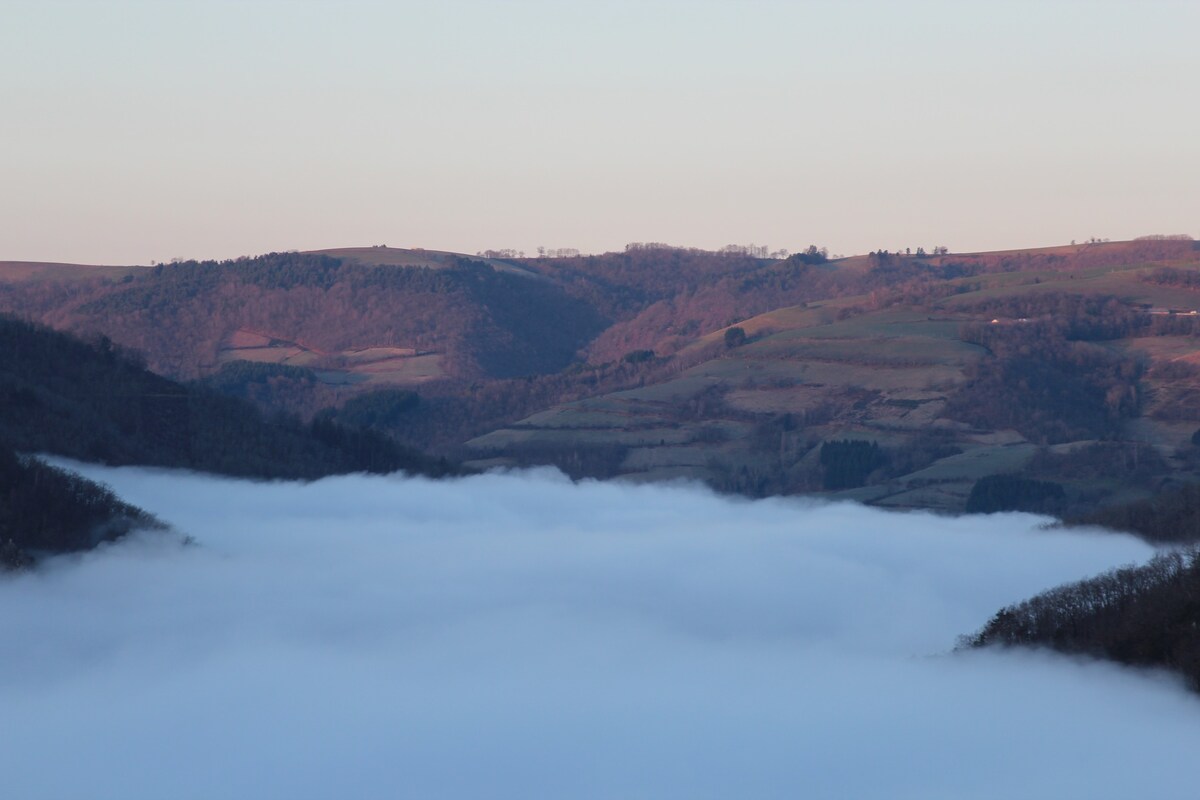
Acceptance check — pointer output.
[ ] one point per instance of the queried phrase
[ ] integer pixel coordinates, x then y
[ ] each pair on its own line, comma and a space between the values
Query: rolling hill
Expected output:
895, 379
351, 319
1070, 364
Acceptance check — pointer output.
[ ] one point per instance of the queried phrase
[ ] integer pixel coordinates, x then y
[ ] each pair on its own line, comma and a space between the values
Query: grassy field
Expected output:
430, 259
378, 366
20, 271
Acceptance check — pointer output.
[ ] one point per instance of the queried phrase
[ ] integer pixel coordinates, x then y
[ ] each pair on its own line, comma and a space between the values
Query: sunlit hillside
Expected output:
899, 379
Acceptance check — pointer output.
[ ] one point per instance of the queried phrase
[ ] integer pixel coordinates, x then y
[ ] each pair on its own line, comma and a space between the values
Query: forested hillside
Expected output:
94, 402
1068, 369
480, 322
1060, 379
1171, 516
1146, 616
46, 511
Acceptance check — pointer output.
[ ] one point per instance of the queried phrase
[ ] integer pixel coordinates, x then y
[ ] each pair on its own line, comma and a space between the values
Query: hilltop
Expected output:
1052, 379
349, 319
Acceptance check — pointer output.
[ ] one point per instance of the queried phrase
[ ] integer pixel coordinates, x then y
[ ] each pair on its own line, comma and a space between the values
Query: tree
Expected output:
848, 463
994, 493
735, 337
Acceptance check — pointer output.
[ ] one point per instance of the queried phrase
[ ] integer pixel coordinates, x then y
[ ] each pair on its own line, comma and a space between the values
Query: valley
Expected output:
1075, 365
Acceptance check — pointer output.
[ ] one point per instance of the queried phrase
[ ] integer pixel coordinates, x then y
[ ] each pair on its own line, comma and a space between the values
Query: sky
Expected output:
517, 635
140, 130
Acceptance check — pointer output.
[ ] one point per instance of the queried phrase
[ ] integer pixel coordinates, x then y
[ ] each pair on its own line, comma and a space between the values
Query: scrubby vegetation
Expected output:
1170, 516
1131, 463
238, 377
381, 410
1048, 386
577, 460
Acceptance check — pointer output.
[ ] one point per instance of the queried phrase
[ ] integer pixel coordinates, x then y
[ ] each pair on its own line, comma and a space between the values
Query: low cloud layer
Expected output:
520, 636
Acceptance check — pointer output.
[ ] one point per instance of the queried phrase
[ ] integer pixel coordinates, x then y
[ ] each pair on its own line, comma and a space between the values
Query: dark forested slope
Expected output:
1141, 616
1168, 517
90, 401
1146, 616
45, 510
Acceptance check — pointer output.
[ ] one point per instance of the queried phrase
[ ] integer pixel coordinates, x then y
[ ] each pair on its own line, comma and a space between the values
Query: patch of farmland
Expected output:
948, 496
642, 459
666, 474
584, 415
402, 371
882, 351
508, 437
672, 391
293, 355
420, 258
975, 464
371, 355
786, 400
20, 271
1166, 348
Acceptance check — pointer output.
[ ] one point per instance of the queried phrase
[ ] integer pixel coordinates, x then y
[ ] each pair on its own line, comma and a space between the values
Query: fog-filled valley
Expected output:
517, 635
615, 400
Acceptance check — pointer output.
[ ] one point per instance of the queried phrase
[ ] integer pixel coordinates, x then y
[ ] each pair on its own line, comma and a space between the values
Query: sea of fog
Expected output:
520, 636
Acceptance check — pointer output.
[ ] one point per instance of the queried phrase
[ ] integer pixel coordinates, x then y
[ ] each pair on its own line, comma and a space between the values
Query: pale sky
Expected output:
137, 131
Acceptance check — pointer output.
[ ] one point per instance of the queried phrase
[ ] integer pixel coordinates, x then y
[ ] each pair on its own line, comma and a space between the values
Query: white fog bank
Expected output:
521, 636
